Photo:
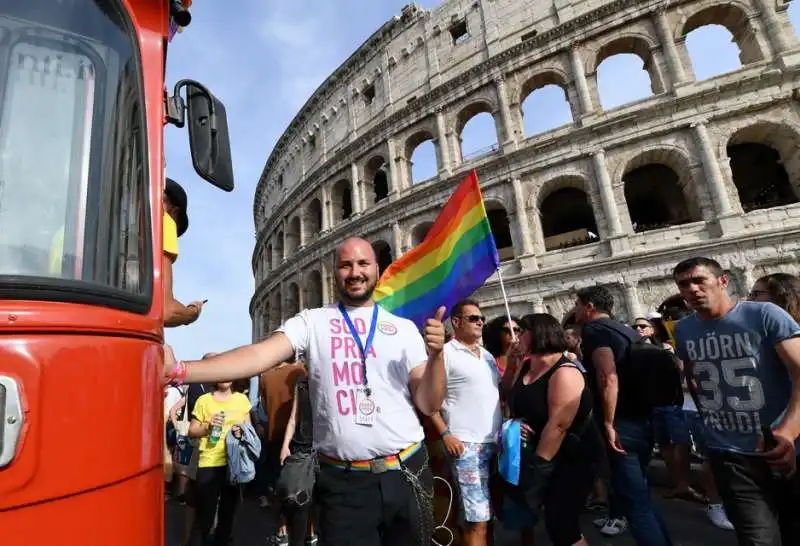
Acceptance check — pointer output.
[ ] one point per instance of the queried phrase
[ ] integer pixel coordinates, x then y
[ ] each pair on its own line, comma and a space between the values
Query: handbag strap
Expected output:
185, 416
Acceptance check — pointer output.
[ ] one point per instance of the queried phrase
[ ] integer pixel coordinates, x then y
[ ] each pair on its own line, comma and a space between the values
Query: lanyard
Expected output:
365, 347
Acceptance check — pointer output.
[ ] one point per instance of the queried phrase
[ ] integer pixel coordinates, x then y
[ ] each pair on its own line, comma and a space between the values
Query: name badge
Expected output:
366, 409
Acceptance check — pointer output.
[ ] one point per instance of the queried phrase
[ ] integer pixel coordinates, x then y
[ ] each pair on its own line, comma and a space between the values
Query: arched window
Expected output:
567, 218
384, 254
501, 230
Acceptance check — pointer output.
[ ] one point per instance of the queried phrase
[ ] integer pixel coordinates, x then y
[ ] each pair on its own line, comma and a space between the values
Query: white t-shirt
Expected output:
336, 383
472, 405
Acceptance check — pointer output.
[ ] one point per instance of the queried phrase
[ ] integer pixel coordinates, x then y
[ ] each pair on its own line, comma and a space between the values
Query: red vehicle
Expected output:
82, 114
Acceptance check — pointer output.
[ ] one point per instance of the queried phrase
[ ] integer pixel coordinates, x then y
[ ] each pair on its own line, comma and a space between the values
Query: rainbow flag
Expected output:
456, 257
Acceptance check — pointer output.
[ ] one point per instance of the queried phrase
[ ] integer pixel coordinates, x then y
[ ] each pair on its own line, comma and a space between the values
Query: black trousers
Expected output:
297, 523
358, 508
762, 508
212, 487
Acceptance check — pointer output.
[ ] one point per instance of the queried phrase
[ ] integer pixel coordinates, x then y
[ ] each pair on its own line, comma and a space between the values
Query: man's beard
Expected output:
360, 298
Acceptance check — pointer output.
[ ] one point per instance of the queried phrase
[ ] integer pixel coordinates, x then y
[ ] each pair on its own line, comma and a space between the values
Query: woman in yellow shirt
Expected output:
229, 409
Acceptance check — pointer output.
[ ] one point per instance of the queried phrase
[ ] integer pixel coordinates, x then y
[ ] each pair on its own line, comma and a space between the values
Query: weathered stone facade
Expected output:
343, 166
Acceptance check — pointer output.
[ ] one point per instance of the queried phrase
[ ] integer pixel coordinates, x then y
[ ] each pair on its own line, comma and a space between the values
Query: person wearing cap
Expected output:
176, 222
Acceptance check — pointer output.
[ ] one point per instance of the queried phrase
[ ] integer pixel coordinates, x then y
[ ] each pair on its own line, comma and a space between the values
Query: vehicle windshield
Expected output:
73, 180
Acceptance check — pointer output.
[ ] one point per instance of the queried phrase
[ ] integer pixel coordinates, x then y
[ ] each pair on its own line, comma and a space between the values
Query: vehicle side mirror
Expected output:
208, 137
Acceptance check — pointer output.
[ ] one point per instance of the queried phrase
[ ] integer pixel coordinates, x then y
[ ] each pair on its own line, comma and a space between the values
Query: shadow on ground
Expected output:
686, 521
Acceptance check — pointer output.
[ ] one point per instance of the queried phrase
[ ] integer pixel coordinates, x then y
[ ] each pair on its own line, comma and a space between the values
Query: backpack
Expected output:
650, 374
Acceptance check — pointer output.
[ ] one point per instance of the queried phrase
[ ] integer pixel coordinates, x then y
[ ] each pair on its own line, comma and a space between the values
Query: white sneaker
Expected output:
600, 522
614, 527
716, 513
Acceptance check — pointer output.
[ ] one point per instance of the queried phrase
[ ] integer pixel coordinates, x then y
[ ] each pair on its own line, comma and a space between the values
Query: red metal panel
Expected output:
89, 463
94, 415
124, 514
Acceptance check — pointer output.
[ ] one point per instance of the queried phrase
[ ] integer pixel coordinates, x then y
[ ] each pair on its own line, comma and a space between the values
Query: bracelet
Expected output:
183, 370
445, 433
178, 375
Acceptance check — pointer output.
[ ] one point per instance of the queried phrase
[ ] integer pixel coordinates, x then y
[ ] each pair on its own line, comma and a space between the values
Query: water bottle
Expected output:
216, 431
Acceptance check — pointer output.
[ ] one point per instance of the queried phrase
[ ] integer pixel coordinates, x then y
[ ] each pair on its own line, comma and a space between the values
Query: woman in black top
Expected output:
563, 448
298, 436
299, 439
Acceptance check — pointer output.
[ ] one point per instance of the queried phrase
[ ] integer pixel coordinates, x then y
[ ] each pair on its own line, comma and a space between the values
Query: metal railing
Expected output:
480, 153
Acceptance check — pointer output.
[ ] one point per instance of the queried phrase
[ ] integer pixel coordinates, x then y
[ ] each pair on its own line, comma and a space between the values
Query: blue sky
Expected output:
263, 60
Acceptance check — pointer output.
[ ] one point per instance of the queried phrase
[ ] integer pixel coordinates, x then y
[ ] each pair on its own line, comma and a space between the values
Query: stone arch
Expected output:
313, 289
659, 189
637, 44
471, 110
559, 304
732, 16
566, 213
417, 138
501, 228
279, 247
259, 266
313, 219
550, 76
376, 180
342, 200
419, 232
765, 150
276, 316
541, 80
293, 239
263, 215
413, 142
463, 118
383, 252
265, 322
293, 303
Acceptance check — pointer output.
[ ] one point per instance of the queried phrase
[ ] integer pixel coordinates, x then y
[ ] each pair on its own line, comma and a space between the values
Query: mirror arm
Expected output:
176, 111
176, 107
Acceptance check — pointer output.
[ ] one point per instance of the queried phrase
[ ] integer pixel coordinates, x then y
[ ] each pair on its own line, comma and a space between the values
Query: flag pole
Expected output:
505, 301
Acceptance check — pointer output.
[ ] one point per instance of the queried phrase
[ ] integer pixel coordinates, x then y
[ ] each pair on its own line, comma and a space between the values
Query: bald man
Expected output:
368, 369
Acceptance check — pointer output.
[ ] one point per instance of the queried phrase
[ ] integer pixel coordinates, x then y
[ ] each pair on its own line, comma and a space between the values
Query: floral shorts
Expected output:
472, 470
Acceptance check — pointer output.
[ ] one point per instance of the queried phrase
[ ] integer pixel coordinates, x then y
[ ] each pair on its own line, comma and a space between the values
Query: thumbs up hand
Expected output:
434, 332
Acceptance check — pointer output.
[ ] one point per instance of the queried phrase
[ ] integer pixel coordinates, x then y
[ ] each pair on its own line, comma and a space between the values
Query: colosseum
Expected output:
615, 196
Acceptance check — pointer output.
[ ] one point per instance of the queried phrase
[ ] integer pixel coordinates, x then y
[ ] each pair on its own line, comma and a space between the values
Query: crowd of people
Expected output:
531, 419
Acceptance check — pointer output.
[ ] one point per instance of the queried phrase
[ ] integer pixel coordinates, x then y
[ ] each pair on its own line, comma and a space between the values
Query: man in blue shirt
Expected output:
742, 362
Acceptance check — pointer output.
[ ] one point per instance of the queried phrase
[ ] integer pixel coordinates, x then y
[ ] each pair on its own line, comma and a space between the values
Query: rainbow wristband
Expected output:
178, 376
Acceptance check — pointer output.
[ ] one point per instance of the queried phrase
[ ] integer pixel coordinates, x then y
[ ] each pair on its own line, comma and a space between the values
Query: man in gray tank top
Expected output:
742, 362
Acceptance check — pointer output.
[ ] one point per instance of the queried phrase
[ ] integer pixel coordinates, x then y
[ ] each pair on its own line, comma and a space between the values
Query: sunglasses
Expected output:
473, 318
507, 330
641, 326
